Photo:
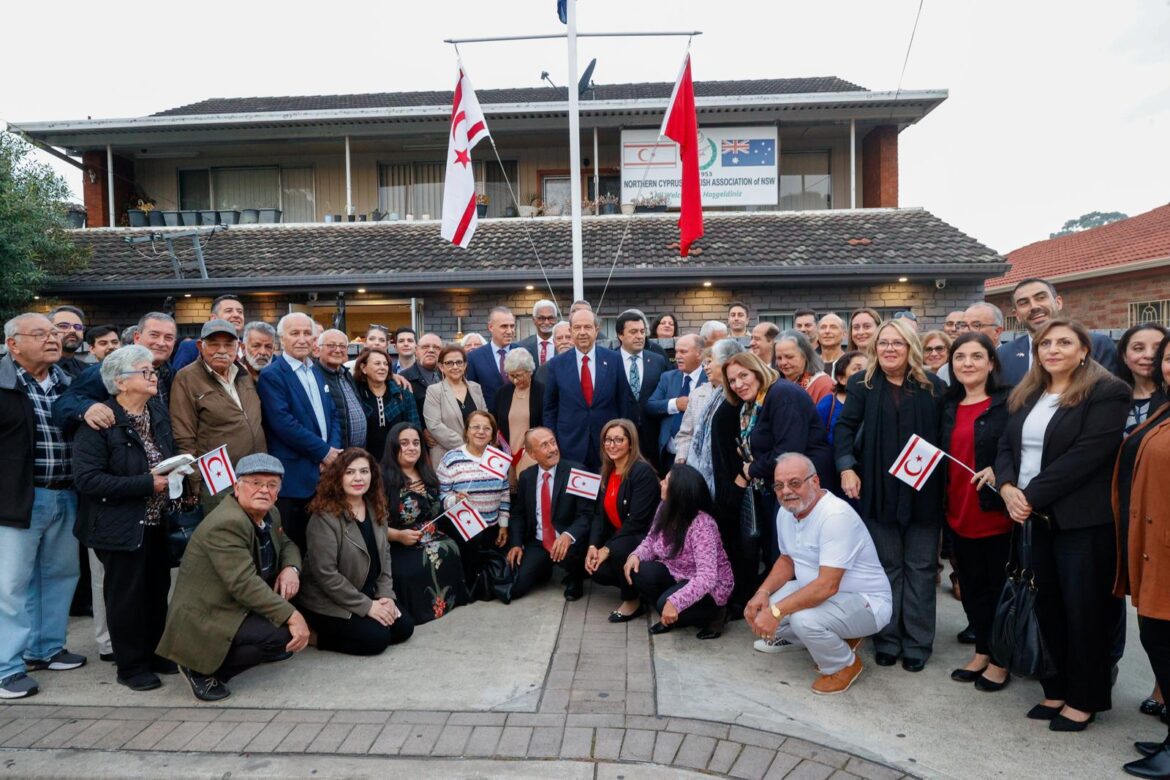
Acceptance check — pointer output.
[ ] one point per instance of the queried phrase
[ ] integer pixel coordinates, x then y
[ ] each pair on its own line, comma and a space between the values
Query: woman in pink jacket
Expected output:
680, 567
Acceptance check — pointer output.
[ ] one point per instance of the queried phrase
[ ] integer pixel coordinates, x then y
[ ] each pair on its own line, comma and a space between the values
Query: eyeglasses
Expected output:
269, 485
979, 325
792, 484
146, 373
514, 375
896, 344
545, 318
454, 363
960, 325
612, 442
68, 326
40, 335
334, 346
941, 350
480, 428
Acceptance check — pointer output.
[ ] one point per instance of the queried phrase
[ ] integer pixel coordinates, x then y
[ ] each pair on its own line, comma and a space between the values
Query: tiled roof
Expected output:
877, 243
645, 90
1143, 237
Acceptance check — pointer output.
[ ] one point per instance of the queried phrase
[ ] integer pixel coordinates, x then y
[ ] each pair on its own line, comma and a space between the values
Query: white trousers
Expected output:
823, 629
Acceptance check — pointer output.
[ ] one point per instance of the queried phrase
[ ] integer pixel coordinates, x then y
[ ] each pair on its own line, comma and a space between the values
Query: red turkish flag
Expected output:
682, 126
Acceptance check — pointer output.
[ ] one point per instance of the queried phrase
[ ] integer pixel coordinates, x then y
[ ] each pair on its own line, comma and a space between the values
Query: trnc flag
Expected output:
495, 462
583, 483
467, 521
468, 128
916, 462
217, 471
681, 126
741, 153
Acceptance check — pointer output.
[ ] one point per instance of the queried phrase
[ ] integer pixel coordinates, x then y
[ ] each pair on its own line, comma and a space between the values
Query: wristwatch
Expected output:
776, 613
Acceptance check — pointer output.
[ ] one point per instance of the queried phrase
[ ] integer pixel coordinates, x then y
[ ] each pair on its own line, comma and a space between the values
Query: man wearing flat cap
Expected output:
231, 609
214, 402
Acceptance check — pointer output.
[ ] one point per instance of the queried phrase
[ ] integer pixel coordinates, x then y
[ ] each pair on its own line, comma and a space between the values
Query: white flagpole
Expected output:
575, 153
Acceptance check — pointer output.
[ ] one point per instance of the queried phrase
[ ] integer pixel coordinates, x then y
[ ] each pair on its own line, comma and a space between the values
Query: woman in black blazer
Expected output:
1055, 458
893, 400
625, 510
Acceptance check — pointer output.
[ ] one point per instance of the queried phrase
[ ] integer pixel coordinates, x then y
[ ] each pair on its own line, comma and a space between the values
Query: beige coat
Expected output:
443, 418
337, 563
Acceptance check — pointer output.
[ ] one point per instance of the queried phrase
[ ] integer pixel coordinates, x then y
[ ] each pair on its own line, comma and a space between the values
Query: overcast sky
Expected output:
1056, 108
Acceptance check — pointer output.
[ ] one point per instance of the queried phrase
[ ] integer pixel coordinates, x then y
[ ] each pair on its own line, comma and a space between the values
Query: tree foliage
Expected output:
1091, 220
33, 241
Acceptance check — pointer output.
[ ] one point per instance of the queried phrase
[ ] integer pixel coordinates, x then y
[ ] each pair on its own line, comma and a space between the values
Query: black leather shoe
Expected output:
966, 636
109, 658
1154, 766
164, 666
574, 589
885, 659
913, 664
966, 675
987, 686
1148, 748
617, 617
143, 681
1151, 707
1061, 723
658, 628
1044, 712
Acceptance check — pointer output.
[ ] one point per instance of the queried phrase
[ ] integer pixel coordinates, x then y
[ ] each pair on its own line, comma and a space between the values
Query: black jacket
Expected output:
637, 500
113, 480
572, 514
989, 427
504, 405
788, 422
18, 439
89, 389
1076, 469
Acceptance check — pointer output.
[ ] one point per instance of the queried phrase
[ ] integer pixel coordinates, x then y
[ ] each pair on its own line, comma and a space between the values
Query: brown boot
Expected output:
838, 683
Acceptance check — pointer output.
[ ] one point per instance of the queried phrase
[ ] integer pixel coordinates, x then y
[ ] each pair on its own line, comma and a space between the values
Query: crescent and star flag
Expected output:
468, 128
217, 471
466, 520
916, 462
495, 462
583, 483
681, 126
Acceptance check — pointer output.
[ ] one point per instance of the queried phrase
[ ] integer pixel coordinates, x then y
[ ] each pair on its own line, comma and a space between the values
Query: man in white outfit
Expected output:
840, 592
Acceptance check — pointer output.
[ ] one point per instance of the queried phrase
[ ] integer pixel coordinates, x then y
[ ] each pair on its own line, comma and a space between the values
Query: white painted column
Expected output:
110, 182
348, 182
575, 154
596, 175
852, 164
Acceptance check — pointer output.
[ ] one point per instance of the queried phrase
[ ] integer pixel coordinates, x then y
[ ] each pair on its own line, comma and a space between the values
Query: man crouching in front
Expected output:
231, 607
840, 593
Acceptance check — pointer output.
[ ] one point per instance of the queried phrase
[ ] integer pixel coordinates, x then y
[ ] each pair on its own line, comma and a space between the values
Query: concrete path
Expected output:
542, 688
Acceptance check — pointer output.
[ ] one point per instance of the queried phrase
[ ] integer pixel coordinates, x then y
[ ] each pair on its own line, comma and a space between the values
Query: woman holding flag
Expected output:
1055, 457
974, 417
892, 401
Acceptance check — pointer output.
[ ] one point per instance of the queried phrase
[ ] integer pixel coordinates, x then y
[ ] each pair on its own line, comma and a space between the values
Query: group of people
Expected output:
744, 474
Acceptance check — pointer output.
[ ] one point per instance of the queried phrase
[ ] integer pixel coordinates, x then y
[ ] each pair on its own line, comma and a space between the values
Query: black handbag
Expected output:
1017, 641
494, 577
181, 524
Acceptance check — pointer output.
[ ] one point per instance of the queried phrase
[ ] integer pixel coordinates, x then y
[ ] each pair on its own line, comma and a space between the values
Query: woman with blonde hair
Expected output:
894, 399
625, 510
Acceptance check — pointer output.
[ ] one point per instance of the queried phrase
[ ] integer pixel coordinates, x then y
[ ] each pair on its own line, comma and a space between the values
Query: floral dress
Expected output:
428, 575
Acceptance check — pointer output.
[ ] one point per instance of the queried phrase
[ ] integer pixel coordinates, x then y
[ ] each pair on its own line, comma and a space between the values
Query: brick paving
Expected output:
597, 704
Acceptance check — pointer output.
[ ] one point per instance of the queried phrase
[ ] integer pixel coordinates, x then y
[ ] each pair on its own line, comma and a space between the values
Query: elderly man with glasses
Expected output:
827, 590
232, 606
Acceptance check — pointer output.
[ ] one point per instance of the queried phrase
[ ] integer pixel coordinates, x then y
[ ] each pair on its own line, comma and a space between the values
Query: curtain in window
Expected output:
296, 195
805, 183
394, 189
497, 189
245, 188
427, 190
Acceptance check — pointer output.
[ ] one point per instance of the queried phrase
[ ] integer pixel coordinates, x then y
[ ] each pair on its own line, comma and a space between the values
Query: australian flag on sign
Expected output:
738, 153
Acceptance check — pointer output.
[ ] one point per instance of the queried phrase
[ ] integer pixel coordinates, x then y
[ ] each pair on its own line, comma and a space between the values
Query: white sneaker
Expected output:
775, 645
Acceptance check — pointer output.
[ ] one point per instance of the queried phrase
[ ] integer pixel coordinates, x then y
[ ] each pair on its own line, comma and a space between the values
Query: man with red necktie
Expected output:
540, 344
548, 524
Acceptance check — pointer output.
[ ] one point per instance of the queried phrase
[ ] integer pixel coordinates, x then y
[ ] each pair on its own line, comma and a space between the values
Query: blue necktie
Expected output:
686, 390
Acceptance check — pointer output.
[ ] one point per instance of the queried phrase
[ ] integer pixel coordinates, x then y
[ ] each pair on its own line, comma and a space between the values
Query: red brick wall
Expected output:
879, 168
95, 193
1104, 302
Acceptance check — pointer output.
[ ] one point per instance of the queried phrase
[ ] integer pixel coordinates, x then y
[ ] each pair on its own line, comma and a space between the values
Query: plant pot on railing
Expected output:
189, 218
650, 209
138, 218
528, 211
208, 217
171, 218
269, 216
74, 220
249, 216
481, 209
229, 217
155, 218
609, 208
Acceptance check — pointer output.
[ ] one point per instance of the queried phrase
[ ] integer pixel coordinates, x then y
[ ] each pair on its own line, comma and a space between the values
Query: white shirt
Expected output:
671, 406
592, 355
304, 371
833, 535
1032, 437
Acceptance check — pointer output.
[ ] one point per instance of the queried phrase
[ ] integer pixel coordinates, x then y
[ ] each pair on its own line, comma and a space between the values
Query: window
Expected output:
805, 182
1150, 311
782, 320
417, 188
195, 190
288, 189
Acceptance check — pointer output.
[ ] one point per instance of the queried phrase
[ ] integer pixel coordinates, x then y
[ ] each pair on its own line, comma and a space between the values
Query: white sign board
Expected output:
738, 166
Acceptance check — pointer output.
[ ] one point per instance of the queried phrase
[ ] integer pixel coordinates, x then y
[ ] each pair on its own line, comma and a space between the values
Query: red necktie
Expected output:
548, 535
543, 352
586, 381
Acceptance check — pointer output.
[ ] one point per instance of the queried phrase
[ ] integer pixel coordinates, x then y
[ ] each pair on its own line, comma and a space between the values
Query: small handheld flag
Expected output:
583, 483
217, 471
495, 462
467, 521
916, 462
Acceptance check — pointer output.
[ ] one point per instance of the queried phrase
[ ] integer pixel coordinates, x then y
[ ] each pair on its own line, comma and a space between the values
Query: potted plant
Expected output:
608, 204
229, 217
171, 218
481, 204
139, 211
654, 202
534, 207
269, 216
74, 216
208, 217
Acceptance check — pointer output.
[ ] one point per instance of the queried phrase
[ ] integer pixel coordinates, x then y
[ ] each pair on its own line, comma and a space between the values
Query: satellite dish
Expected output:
585, 84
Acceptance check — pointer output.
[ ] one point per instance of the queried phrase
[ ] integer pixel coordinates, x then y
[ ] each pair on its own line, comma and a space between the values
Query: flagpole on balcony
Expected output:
575, 154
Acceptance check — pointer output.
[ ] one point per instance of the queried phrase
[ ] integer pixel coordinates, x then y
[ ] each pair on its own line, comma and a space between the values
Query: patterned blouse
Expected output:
141, 425
702, 561
460, 472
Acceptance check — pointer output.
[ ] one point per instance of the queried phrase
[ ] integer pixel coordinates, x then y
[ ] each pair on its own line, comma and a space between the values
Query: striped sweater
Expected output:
459, 472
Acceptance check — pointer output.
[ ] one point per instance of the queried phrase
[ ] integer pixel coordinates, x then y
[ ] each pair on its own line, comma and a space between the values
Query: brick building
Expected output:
1110, 277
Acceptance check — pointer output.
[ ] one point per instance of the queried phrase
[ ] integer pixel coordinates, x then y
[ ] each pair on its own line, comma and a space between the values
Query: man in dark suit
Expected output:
485, 365
1036, 302
548, 525
540, 344
562, 338
583, 392
425, 371
641, 370
669, 400
301, 422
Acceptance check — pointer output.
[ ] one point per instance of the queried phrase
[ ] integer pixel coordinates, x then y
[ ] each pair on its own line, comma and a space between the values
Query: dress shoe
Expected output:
1061, 723
618, 617
109, 658
714, 629
966, 675
1044, 712
1148, 748
143, 681
1151, 707
838, 682
987, 686
885, 659
1153, 766
966, 636
574, 589
914, 664
659, 628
